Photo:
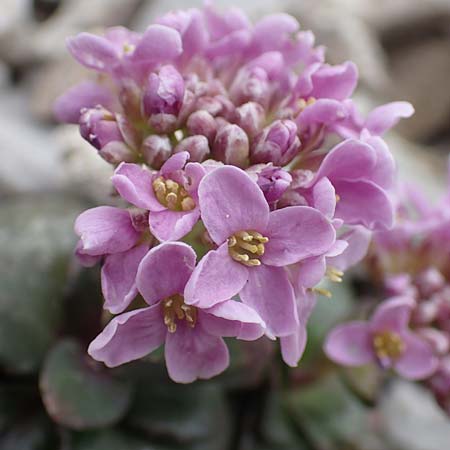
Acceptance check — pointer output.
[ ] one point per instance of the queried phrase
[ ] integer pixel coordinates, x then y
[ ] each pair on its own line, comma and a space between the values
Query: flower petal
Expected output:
384, 171
129, 336
271, 295
387, 116
364, 203
324, 111
216, 278
232, 319
165, 270
192, 353
87, 94
173, 225
311, 271
230, 201
174, 163
134, 184
296, 233
119, 278
418, 361
392, 314
350, 344
324, 197
158, 44
92, 51
104, 230
350, 160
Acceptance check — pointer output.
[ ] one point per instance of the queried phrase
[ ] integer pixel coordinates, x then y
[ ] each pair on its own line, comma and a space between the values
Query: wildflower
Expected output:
385, 340
192, 335
254, 245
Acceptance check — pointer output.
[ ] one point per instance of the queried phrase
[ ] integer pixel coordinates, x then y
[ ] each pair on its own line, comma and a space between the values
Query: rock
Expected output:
411, 420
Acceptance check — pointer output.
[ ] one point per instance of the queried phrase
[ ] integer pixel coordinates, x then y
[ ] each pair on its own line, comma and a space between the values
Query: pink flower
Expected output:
254, 245
385, 340
192, 335
170, 194
116, 236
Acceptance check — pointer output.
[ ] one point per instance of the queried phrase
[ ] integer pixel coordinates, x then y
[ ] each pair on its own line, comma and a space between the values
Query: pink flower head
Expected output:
254, 245
116, 236
170, 194
385, 340
192, 335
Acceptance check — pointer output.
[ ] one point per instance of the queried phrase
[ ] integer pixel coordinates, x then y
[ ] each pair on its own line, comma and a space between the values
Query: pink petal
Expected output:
216, 278
337, 82
173, 225
296, 233
192, 353
92, 51
418, 361
364, 203
165, 270
134, 184
293, 346
358, 243
119, 278
270, 294
323, 111
324, 197
384, 171
230, 201
174, 163
311, 271
87, 94
387, 116
392, 314
129, 336
350, 344
350, 160
158, 44
232, 319
104, 230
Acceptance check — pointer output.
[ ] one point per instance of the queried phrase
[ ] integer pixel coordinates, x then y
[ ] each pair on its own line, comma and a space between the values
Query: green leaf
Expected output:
37, 241
79, 394
195, 415
108, 439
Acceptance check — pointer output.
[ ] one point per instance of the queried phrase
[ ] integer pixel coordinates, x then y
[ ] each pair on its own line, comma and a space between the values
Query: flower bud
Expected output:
250, 117
437, 339
231, 146
251, 85
164, 93
274, 182
277, 143
202, 122
116, 152
163, 123
156, 150
211, 105
196, 146
99, 127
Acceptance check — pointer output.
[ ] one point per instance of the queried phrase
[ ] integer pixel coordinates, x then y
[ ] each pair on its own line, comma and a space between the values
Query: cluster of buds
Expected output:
410, 331
218, 130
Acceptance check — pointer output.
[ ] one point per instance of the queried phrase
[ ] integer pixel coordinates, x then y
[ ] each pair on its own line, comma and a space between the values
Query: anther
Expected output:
246, 247
321, 291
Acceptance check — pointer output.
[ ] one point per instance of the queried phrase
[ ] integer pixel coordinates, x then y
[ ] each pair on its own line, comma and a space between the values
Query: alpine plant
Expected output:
220, 133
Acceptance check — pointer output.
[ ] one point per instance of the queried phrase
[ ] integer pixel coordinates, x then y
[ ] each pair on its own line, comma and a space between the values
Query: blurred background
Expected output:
51, 396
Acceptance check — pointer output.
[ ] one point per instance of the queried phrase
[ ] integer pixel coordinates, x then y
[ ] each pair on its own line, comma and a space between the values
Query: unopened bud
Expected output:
231, 146
274, 182
156, 150
250, 117
251, 85
163, 123
203, 123
277, 143
164, 93
117, 152
99, 127
196, 146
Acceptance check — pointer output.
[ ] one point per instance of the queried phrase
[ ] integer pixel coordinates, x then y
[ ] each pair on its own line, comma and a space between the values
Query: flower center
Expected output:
302, 103
175, 309
128, 48
171, 195
247, 247
388, 344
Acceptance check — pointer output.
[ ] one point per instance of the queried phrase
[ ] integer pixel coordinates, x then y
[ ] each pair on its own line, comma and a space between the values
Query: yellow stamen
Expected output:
322, 291
171, 195
388, 344
247, 247
334, 274
174, 309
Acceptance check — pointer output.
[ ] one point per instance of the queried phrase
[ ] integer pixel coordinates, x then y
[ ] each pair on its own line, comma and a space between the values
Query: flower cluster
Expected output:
220, 131
410, 331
